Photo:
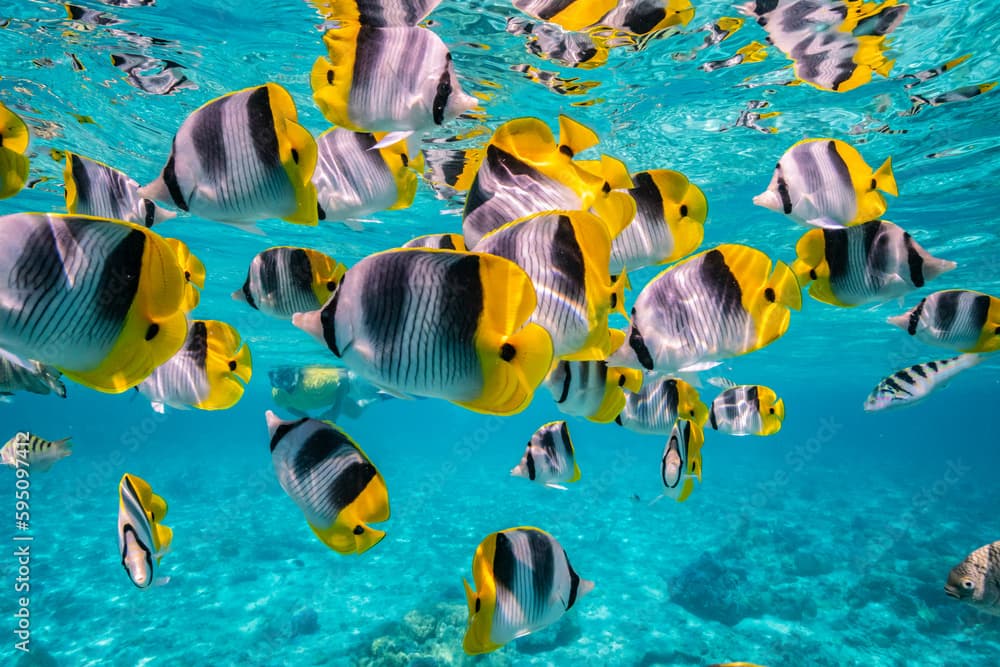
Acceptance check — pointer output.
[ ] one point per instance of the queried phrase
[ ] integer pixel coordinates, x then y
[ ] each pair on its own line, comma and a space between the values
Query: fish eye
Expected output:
358, 530
812, 273
329, 76
232, 365
967, 584
332, 285
614, 299
295, 156
606, 188
684, 210
478, 604
874, 184
187, 276
507, 352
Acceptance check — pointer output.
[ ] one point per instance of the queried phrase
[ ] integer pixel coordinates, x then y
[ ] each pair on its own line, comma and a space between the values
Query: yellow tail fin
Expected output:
575, 136
885, 180
786, 286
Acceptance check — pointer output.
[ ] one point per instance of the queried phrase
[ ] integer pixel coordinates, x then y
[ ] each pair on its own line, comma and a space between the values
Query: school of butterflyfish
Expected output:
520, 298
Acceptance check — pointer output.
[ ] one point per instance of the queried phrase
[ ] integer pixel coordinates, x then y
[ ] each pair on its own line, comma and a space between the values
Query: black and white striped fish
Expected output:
827, 183
680, 463
720, 303
834, 46
101, 300
957, 319
34, 452
209, 372
668, 224
912, 384
438, 323
524, 170
34, 378
354, 179
549, 458
565, 253
591, 389
658, 404
142, 539
871, 262
439, 241
377, 12
284, 280
94, 188
332, 481
745, 409
523, 583
397, 79
240, 158
152, 75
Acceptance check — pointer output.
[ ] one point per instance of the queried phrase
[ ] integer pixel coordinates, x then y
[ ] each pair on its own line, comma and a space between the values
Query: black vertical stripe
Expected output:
914, 260
567, 380
169, 177
911, 327
543, 566
261, 126
719, 281
835, 248
196, 346
753, 397
81, 179
638, 345
207, 137
979, 310
442, 94
350, 483
641, 19
328, 321
564, 434
945, 309
283, 429
529, 461
567, 256
836, 161
119, 281
648, 198
504, 562
300, 270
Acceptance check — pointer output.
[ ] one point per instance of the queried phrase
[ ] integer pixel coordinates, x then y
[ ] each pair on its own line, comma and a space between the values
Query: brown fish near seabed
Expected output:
976, 580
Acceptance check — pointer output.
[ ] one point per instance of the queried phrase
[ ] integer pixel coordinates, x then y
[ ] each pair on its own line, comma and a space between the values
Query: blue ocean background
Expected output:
826, 544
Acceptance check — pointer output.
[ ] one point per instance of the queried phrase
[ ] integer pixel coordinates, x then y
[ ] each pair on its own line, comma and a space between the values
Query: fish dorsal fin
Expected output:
575, 136
721, 382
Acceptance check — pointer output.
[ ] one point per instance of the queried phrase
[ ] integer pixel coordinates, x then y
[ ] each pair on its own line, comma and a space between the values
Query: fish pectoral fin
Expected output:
392, 138
825, 222
556, 486
699, 366
157, 406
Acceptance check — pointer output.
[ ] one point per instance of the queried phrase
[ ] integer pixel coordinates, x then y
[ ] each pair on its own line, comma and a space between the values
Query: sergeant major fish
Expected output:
549, 457
39, 454
523, 582
912, 384
332, 481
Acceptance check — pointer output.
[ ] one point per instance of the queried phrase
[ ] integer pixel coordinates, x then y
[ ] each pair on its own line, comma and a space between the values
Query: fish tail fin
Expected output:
686, 488
576, 473
616, 209
617, 339
194, 272
228, 359
13, 131
299, 154
155, 504
470, 596
885, 180
162, 538
575, 136
331, 78
14, 169
935, 266
884, 67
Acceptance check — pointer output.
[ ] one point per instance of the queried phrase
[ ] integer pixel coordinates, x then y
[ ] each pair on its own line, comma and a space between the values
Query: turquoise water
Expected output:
826, 544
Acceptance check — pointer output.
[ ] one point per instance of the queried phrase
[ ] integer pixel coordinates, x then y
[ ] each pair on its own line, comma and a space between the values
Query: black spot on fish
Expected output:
874, 184
261, 125
771, 411
358, 530
606, 188
299, 271
187, 276
765, 7
641, 19
769, 294
711, 418
812, 274
320, 213
684, 210
905, 377
405, 159
232, 365
441, 96
151, 332
565, 150
295, 156
614, 300
329, 76
932, 365
945, 309
331, 285
507, 352
478, 605
621, 380
446, 243
638, 345
919, 370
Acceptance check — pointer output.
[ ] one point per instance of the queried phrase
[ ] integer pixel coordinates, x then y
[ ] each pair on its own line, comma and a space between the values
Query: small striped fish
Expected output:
916, 382
38, 453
